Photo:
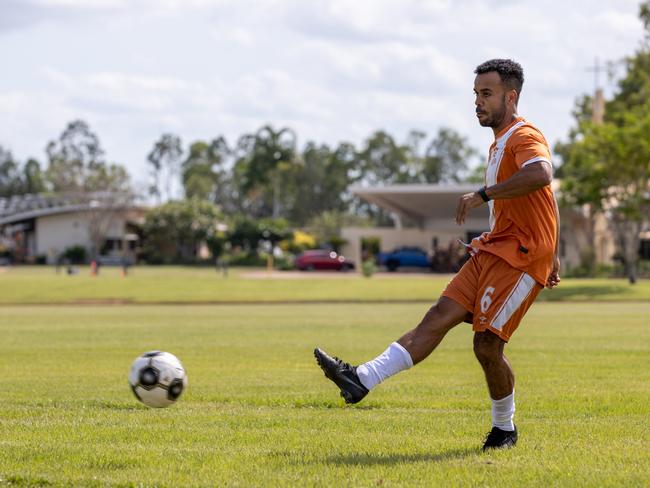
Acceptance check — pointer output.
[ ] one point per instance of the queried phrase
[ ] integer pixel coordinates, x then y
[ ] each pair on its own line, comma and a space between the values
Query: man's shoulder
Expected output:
527, 132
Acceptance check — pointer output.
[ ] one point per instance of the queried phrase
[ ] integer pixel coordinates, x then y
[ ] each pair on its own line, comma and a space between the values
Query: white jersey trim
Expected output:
495, 161
517, 296
536, 159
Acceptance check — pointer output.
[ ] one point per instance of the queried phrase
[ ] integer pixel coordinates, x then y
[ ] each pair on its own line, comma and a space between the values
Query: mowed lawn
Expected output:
258, 412
165, 284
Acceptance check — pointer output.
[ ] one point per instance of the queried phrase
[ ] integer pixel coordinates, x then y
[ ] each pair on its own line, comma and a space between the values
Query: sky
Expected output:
332, 71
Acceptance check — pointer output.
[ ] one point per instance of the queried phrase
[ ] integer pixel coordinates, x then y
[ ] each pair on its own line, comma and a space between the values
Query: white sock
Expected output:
390, 362
503, 411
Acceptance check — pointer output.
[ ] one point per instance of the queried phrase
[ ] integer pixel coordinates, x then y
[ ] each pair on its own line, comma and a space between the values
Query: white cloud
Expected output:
331, 69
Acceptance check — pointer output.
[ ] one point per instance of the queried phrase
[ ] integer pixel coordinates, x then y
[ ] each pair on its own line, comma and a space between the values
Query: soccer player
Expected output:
509, 264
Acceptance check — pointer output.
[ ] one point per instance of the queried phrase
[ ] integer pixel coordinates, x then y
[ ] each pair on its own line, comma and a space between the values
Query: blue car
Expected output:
406, 257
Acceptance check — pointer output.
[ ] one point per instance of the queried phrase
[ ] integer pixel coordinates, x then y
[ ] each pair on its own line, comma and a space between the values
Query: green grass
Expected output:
204, 285
258, 411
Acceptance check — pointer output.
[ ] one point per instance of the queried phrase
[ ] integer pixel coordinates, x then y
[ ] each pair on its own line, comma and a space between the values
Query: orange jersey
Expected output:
523, 230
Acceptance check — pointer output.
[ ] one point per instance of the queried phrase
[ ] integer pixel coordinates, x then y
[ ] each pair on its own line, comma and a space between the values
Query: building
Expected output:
40, 228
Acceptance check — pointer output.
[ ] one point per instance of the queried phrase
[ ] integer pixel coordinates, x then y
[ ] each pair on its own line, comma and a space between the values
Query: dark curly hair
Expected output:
510, 72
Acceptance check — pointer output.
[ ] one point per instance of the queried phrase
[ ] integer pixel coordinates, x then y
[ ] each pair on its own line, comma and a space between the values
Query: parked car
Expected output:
322, 259
403, 257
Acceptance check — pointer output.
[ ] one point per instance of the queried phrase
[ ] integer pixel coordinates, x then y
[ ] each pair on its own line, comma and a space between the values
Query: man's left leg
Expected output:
488, 348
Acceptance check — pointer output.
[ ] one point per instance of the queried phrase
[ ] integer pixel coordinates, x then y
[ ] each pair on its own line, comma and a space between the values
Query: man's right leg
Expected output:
410, 349
440, 319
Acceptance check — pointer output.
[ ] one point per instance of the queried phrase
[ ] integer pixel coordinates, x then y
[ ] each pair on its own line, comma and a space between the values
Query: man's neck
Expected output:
507, 120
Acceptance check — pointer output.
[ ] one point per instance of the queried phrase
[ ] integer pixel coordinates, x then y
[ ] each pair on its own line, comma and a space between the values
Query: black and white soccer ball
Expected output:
157, 379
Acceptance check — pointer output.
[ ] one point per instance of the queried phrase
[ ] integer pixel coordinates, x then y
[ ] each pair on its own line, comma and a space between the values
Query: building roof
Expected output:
23, 207
420, 202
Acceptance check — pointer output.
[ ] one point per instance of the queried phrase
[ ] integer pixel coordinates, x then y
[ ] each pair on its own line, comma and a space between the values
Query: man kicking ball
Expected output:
509, 266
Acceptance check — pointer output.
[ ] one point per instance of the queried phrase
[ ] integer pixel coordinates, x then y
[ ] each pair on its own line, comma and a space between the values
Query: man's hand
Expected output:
465, 204
554, 278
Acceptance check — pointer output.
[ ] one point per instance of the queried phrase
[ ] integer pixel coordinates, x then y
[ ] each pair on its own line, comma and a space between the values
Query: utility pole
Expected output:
598, 107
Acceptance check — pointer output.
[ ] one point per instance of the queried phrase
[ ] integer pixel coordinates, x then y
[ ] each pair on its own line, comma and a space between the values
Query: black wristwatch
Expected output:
483, 194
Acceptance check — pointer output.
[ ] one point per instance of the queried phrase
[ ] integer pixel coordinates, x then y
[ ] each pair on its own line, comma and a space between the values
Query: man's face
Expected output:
490, 100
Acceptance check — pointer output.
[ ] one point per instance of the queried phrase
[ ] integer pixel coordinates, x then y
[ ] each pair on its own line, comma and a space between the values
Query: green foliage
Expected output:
247, 259
174, 231
326, 227
263, 171
383, 161
477, 175
10, 183
447, 158
17, 180
202, 171
369, 268
320, 181
607, 166
76, 164
75, 254
444, 159
644, 14
33, 177
249, 237
164, 159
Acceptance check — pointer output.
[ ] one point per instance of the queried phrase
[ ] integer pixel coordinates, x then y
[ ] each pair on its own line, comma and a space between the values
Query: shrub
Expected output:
368, 268
75, 254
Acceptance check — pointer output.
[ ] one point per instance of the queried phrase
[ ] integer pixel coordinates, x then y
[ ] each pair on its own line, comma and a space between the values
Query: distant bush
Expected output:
247, 259
75, 254
284, 263
368, 268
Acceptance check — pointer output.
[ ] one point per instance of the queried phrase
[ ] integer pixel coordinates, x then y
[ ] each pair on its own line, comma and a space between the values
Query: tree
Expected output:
33, 177
320, 181
174, 232
607, 166
383, 161
76, 164
10, 180
644, 14
263, 171
444, 159
447, 158
71, 157
164, 158
203, 172
77, 169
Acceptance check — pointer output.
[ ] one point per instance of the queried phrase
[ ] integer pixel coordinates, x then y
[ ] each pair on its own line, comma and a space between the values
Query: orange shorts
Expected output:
494, 293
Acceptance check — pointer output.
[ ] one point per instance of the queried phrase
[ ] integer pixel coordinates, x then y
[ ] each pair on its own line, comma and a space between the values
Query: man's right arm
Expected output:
528, 179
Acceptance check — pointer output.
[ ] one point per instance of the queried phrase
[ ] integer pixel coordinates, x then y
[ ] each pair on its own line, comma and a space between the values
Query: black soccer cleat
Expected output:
343, 375
500, 439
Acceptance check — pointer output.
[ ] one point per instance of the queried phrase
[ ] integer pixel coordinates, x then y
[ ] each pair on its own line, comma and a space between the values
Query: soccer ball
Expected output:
157, 379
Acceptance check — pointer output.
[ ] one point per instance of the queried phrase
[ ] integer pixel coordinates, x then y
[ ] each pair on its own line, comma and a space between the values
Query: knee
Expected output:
439, 316
487, 347
431, 319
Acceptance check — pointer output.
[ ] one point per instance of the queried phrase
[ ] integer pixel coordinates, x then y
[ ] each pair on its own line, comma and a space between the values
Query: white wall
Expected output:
56, 233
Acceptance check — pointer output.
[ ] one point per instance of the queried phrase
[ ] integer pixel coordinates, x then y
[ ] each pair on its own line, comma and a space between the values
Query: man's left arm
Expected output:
528, 179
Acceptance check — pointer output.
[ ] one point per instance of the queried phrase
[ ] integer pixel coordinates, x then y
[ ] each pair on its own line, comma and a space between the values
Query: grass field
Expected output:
154, 285
258, 411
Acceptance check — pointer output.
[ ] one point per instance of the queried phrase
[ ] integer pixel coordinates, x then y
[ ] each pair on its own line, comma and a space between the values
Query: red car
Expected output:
322, 259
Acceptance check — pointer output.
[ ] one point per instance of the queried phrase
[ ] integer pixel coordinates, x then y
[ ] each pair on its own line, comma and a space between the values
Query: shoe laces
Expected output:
343, 364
